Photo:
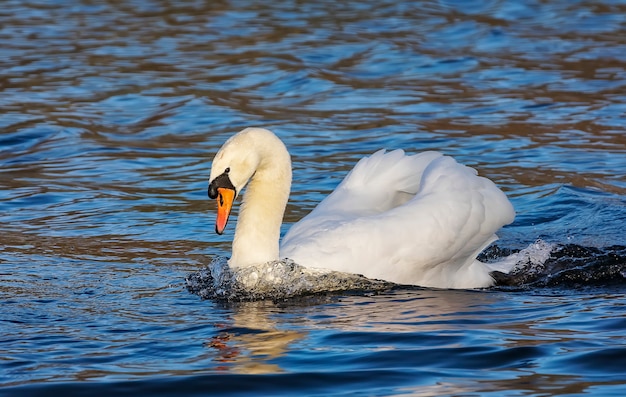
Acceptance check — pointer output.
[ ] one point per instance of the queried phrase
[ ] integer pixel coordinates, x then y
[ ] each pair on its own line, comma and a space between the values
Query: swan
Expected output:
410, 219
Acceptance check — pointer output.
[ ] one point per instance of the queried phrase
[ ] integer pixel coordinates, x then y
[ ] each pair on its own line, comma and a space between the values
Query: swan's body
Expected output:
418, 219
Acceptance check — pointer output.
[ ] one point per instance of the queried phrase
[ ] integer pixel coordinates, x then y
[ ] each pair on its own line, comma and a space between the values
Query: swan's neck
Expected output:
257, 233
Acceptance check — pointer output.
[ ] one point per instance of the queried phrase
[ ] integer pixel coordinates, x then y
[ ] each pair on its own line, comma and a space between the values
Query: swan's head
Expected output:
233, 166
249, 151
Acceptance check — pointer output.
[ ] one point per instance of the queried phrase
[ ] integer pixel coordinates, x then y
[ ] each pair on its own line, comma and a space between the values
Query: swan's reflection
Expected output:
253, 341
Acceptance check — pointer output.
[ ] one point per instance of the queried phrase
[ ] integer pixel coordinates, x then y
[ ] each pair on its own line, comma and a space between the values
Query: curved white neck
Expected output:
257, 233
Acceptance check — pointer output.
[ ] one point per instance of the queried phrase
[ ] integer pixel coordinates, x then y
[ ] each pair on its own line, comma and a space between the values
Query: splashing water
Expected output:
274, 280
531, 259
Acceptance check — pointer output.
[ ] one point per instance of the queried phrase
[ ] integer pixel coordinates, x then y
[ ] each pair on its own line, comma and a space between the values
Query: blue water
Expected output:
111, 112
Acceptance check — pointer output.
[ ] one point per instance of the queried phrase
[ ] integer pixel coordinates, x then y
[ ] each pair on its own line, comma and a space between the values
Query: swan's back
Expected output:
418, 219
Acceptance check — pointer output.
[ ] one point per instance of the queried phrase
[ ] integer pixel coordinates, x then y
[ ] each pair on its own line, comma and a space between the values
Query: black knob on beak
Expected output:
212, 190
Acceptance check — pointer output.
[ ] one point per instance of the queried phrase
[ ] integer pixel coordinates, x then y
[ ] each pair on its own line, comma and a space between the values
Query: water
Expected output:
111, 112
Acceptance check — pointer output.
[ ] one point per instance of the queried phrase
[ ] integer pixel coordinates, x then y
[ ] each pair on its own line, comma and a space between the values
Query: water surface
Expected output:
111, 112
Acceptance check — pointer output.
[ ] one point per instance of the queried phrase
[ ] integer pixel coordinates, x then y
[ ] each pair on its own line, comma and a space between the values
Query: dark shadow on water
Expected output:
224, 384
569, 266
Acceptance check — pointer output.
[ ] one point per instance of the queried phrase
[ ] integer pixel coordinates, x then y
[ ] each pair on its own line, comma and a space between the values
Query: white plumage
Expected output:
419, 219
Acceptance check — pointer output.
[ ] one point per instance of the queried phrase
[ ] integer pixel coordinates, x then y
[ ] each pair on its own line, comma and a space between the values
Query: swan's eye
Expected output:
227, 170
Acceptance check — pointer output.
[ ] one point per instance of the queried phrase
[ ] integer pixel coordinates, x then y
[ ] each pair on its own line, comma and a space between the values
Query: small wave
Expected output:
274, 280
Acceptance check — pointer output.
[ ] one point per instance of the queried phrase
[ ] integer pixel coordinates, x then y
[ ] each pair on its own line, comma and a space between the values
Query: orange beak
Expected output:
225, 198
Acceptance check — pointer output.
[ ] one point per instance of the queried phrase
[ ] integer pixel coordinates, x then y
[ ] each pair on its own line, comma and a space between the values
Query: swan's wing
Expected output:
432, 239
376, 184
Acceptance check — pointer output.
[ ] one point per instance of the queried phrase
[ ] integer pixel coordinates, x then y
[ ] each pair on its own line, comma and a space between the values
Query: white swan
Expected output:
418, 219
